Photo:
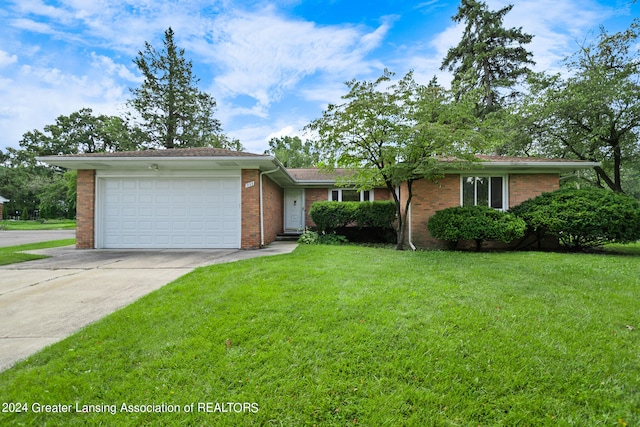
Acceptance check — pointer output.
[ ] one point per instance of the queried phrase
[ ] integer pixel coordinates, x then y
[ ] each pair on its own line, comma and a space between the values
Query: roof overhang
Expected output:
268, 164
277, 172
526, 167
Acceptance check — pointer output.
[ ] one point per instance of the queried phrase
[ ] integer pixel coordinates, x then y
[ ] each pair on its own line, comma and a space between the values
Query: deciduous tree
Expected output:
81, 132
390, 134
594, 114
292, 152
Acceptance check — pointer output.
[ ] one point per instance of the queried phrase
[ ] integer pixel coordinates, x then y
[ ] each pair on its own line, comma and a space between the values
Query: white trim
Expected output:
339, 190
149, 173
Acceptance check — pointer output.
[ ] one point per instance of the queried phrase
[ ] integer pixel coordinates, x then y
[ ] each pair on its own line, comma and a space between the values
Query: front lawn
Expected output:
49, 224
15, 254
337, 336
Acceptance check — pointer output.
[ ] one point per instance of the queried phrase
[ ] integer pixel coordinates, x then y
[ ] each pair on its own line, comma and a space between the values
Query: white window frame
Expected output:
339, 190
505, 189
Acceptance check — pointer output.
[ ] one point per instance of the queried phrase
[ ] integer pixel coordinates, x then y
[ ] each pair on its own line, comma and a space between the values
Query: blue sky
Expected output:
272, 66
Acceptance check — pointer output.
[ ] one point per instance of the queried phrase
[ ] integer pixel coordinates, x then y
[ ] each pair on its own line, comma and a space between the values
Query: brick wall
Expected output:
311, 196
429, 197
382, 194
85, 209
250, 234
273, 210
526, 186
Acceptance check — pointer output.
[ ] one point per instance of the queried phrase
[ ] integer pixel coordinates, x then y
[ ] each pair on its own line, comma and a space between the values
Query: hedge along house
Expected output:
215, 198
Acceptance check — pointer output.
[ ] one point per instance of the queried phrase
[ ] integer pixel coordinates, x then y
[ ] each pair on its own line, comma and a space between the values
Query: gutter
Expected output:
262, 207
410, 221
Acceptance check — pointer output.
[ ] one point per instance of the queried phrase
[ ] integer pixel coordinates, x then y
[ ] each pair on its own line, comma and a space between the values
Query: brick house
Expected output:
215, 198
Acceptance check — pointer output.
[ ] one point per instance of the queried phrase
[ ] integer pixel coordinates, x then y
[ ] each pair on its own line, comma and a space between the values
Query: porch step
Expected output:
288, 237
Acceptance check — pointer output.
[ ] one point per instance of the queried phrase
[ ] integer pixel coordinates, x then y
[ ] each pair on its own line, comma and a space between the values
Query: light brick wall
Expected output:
85, 209
273, 210
526, 186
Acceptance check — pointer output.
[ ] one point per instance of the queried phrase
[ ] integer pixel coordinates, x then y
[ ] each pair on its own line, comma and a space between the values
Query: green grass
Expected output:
626, 249
342, 336
14, 254
49, 224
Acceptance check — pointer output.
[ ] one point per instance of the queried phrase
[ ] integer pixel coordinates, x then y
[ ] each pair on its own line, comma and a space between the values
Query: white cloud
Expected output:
6, 59
33, 26
263, 55
285, 131
109, 67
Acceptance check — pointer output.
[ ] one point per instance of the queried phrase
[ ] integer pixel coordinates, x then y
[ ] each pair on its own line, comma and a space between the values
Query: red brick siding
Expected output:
85, 209
311, 196
382, 194
527, 186
250, 234
273, 210
429, 197
0, 210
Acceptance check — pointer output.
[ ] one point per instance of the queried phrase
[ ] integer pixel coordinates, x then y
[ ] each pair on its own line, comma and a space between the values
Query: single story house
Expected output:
216, 198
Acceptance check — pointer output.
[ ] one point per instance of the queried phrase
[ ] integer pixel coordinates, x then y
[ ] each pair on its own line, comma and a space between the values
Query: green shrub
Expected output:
310, 237
582, 218
329, 216
478, 223
380, 214
332, 239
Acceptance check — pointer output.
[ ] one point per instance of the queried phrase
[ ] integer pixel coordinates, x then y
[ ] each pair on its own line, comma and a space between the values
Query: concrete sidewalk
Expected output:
44, 301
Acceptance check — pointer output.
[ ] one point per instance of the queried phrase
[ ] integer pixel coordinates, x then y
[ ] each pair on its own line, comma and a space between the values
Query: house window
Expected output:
348, 195
484, 190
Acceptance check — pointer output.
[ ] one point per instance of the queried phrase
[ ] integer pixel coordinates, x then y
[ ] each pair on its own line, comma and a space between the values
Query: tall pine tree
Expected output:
489, 57
171, 109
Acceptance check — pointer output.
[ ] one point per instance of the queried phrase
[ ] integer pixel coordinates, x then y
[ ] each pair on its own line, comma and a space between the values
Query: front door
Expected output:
293, 210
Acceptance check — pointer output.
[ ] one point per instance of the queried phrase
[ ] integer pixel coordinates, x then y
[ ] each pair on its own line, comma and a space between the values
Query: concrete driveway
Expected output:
44, 301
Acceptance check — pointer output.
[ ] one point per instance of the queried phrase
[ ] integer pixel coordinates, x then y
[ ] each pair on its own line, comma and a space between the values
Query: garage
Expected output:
169, 212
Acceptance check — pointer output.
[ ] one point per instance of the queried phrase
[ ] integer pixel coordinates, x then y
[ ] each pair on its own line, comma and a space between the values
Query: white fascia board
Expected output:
525, 167
100, 162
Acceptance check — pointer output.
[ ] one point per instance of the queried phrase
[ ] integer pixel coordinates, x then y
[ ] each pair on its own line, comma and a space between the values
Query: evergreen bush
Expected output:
582, 218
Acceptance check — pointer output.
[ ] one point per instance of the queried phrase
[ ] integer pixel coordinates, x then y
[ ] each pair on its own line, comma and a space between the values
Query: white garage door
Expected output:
170, 213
